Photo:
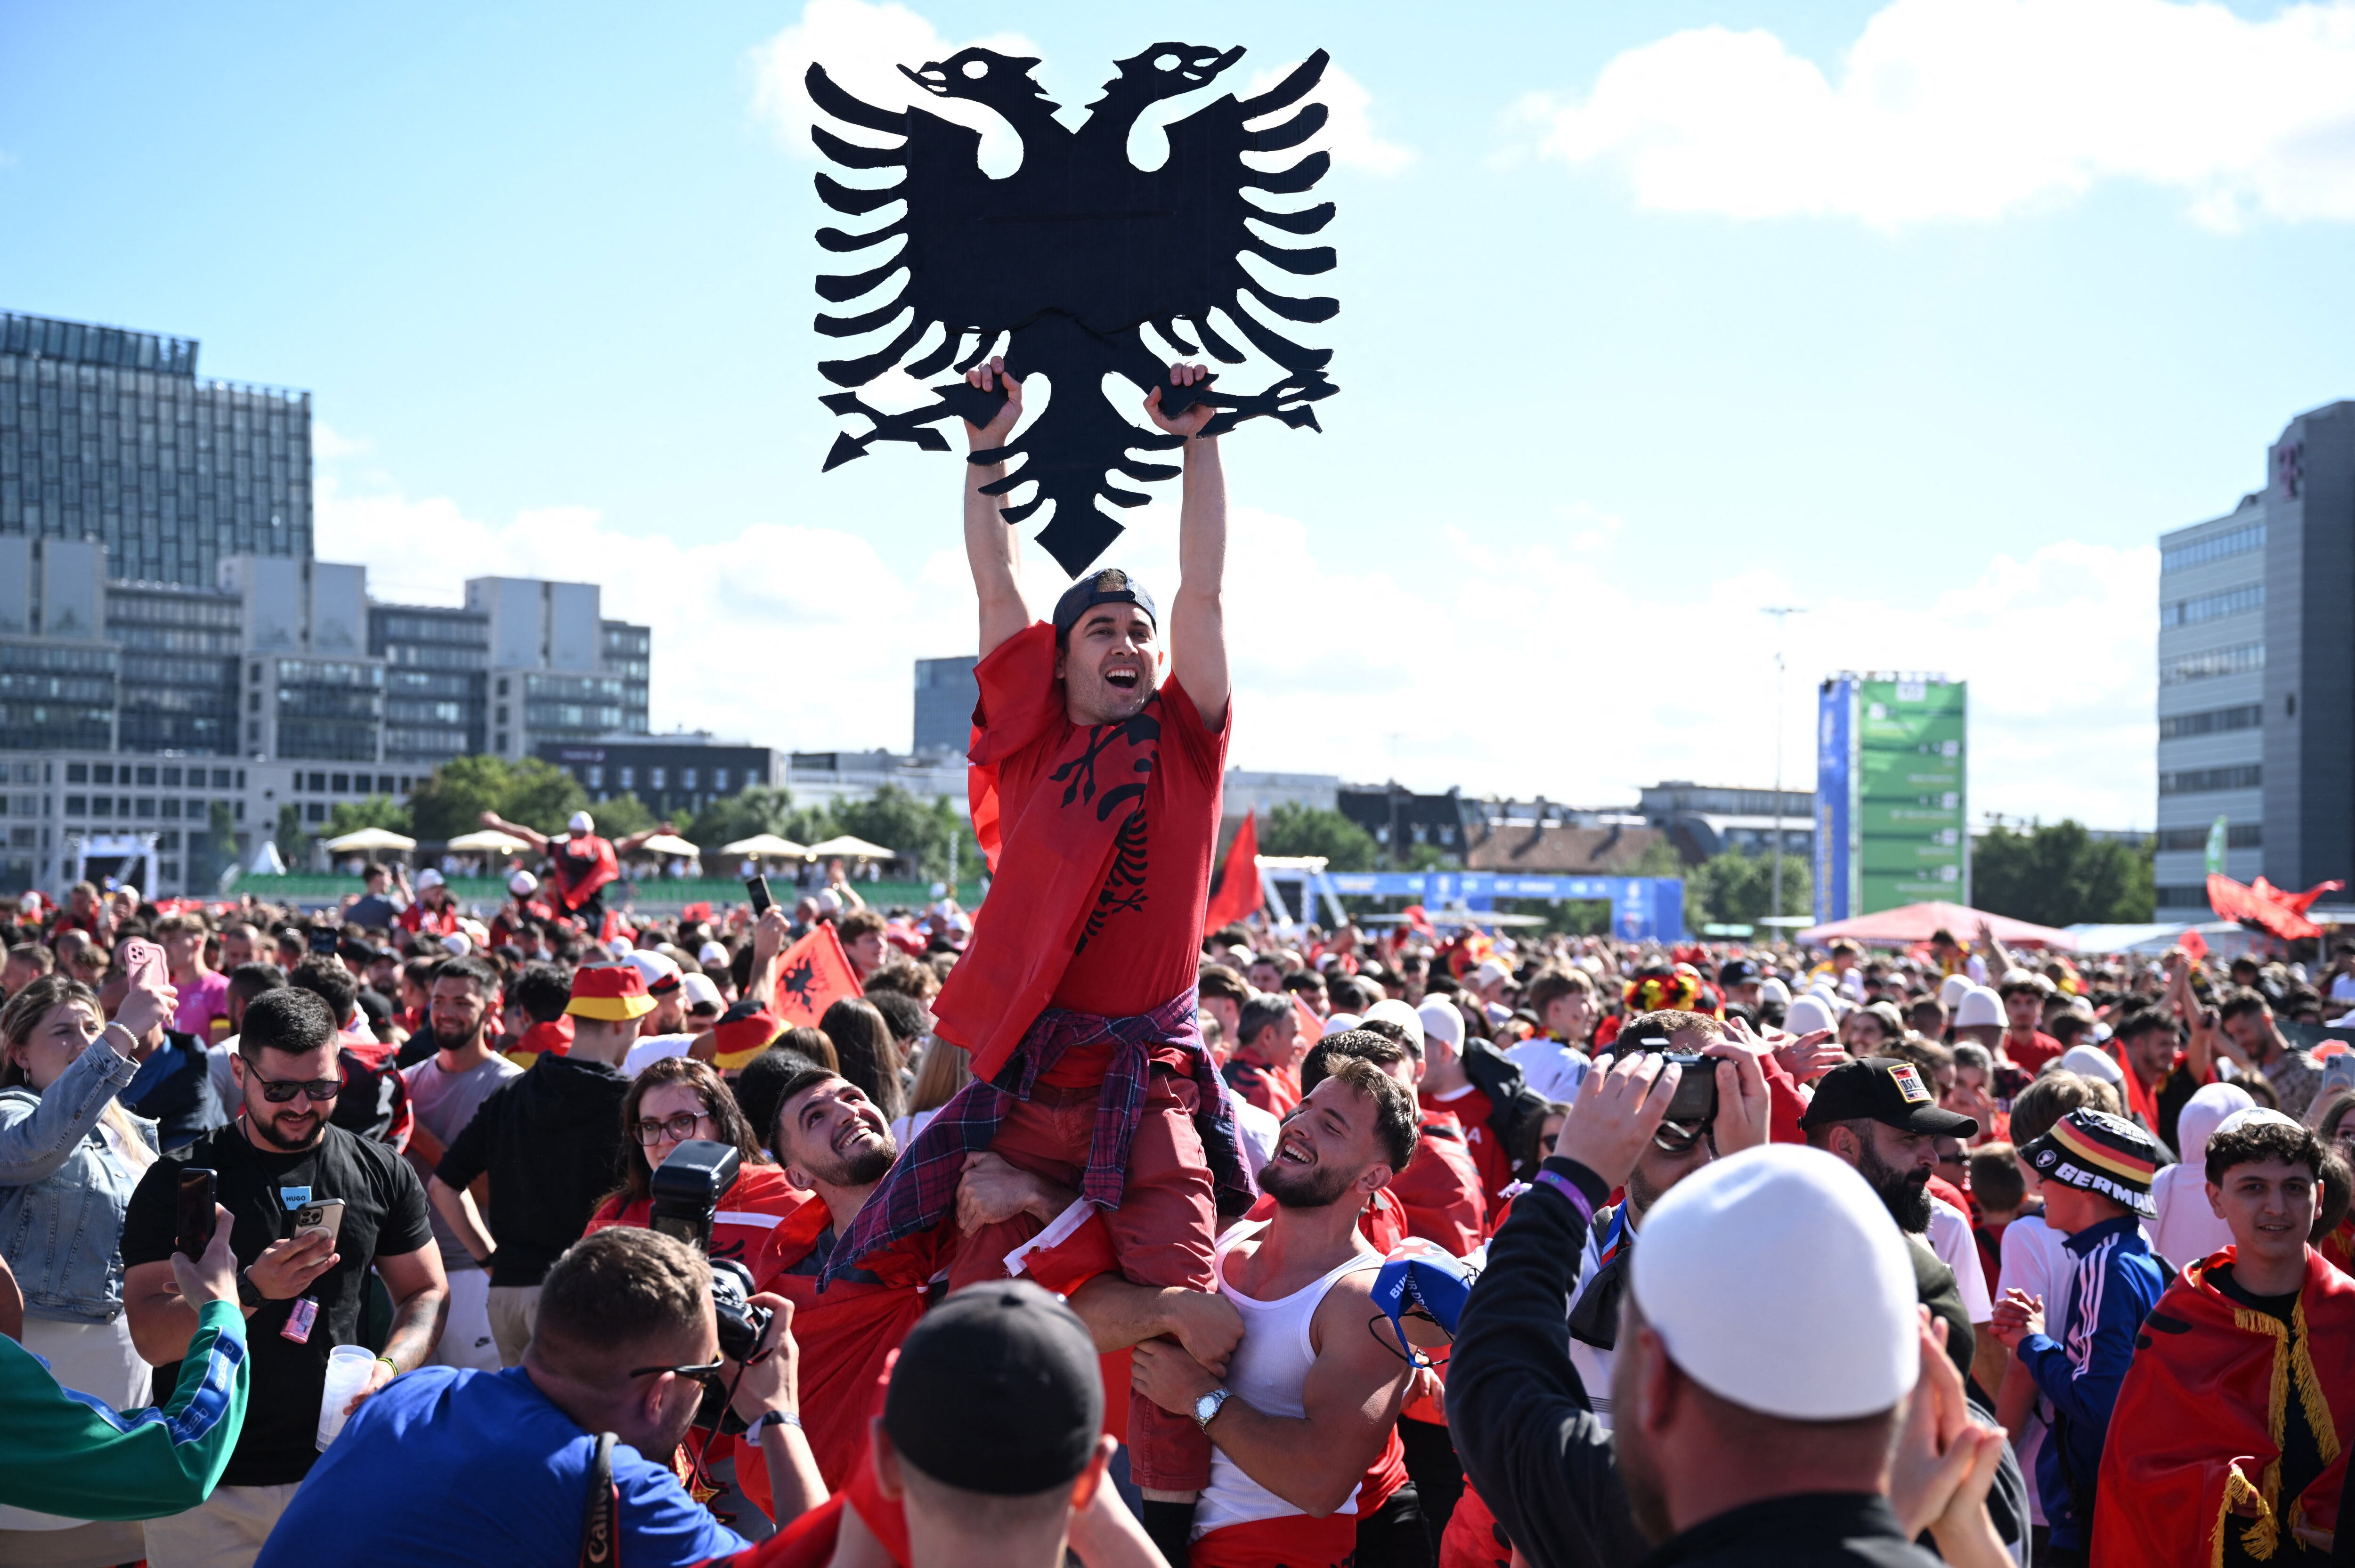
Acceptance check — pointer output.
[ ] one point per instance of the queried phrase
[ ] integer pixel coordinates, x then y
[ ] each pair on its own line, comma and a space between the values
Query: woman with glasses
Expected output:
70, 1158
675, 1100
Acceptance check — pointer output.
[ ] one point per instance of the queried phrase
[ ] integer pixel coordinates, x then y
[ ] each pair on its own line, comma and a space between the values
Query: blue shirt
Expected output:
2115, 1284
448, 1465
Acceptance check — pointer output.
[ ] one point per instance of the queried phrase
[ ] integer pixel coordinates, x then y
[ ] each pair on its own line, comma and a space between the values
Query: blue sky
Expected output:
1926, 317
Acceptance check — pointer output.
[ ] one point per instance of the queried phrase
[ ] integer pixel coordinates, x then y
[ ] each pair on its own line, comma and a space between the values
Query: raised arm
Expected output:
631, 841
530, 835
991, 546
1197, 617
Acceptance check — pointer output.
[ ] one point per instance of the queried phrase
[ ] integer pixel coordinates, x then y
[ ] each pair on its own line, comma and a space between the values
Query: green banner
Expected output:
1912, 818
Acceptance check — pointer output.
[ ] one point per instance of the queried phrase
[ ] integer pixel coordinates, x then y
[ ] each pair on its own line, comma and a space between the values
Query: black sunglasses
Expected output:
708, 1373
1679, 1137
278, 1092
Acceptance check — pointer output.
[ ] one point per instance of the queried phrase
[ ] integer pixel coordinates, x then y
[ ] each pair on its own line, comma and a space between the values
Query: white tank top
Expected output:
1269, 1372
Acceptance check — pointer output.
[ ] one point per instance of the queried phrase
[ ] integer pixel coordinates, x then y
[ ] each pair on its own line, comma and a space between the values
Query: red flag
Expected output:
2194, 945
812, 975
1238, 891
1312, 1028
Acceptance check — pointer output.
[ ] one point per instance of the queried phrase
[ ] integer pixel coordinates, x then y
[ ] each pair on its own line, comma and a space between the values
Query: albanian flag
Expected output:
2266, 907
812, 975
1238, 891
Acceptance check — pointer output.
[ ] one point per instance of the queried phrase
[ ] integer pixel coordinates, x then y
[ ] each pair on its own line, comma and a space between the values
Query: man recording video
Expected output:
451, 1465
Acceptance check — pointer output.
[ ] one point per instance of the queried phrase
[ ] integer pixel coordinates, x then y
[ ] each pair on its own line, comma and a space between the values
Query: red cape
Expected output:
573, 889
2198, 1421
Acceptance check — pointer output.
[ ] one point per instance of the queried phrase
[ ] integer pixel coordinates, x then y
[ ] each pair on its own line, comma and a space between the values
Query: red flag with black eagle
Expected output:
1238, 892
812, 975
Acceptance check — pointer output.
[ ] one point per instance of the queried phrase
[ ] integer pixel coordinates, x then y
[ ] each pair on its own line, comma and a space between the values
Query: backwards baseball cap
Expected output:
1110, 586
1736, 972
523, 884
660, 969
581, 822
1882, 1089
701, 994
609, 993
428, 878
1775, 1281
2095, 1152
1009, 1359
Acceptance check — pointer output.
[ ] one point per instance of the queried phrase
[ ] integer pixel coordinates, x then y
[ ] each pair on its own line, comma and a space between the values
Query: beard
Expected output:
1318, 1186
265, 1126
864, 1168
1905, 1193
446, 1039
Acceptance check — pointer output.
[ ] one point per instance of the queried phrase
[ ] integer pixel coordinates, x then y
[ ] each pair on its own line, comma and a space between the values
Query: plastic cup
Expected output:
347, 1373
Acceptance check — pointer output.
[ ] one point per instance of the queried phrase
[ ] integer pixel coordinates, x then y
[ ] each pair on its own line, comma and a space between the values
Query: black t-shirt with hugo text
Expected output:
384, 1216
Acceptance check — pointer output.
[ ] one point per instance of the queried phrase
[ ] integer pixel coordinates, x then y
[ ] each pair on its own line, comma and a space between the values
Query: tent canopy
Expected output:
669, 844
368, 838
765, 847
486, 841
854, 846
1904, 926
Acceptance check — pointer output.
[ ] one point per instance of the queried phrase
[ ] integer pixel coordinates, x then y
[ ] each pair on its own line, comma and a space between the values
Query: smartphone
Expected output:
197, 1219
756, 888
325, 1217
323, 940
143, 961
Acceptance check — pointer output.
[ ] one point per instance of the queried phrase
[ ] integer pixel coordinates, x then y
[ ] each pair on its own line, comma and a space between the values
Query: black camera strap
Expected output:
600, 1528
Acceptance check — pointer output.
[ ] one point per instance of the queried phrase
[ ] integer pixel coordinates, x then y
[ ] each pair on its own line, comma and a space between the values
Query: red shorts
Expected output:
1161, 1233
1295, 1540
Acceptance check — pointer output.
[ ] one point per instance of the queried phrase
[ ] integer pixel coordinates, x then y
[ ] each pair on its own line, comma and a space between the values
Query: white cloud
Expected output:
862, 47
1349, 131
1973, 110
1582, 666
329, 443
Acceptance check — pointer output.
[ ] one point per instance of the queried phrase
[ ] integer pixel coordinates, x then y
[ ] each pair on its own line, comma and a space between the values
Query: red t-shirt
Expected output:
1471, 1108
2031, 1058
1046, 793
1267, 1087
744, 1226
1441, 1188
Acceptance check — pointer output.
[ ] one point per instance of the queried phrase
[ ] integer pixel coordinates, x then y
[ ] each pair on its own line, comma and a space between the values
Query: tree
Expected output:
536, 793
618, 816
922, 833
761, 808
2060, 874
376, 811
1292, 830
292, 848
1731, 888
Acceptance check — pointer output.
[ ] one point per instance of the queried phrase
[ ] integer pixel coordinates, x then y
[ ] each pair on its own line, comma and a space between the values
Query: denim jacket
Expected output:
63, 1190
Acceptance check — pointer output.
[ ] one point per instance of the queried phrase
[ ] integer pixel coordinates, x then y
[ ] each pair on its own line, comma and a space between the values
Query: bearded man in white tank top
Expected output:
1304, 1419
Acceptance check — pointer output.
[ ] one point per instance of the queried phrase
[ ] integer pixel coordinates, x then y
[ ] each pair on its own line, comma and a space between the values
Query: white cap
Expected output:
523, 884
428, 878
829, 902
2251, 1117
940, 890
2027, 977
1775, 1280
1340, 1021
711, 952
621, 947
1389, 1010
28, 903
2087, 1062
1979, 1007
660, 970
580, 822
1952, 988
696, 988
1772, 990
1808, 1014
456, 946
2209, 1105
1490, 972
1440, 1021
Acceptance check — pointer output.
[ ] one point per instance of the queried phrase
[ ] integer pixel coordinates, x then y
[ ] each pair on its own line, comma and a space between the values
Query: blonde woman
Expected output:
941, 1072
70, 1157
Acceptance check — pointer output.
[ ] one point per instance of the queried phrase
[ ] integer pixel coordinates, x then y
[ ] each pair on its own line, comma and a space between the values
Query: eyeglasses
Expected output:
677, 1129
278, 1092
707, 1373
1679, 1137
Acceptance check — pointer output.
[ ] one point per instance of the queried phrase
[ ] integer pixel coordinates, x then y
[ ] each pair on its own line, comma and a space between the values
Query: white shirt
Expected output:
1950, 1237
2343, 988
2036, 1260
2186, 1228
1549, 1067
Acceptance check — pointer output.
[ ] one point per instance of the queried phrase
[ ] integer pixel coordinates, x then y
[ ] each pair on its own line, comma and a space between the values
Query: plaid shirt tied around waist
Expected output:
919, 1190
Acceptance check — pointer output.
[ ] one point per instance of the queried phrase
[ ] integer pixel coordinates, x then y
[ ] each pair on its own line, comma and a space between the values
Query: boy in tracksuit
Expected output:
2096, 1170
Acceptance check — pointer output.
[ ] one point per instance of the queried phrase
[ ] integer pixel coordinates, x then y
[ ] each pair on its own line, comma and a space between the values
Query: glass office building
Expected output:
109, 435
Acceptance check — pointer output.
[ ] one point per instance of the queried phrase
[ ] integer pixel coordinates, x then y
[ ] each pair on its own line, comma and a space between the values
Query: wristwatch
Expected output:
247, 1293
767, 1418
1207, 1407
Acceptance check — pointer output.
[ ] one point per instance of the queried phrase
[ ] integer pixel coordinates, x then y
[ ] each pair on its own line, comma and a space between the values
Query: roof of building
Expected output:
1553, 848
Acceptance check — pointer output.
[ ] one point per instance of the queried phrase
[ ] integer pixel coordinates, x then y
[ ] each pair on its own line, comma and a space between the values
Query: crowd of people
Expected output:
395, 1233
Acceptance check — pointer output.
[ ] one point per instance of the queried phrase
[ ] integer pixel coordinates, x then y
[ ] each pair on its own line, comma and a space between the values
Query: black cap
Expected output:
1110, 586
1883, 1089
997, 1390
1736, 972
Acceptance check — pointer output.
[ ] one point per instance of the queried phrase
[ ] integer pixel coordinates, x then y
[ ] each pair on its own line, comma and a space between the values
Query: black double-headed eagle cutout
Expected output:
1068, 260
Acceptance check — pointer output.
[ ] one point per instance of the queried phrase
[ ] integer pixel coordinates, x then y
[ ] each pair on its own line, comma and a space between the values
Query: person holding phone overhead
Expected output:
70, 1156
283, 1168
